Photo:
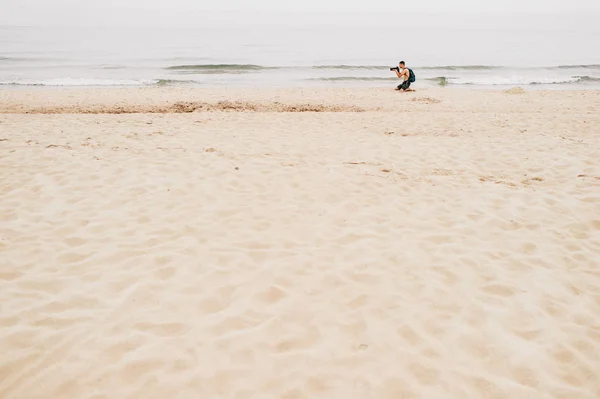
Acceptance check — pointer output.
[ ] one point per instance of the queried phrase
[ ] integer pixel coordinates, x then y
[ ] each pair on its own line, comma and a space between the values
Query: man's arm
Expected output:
399, 74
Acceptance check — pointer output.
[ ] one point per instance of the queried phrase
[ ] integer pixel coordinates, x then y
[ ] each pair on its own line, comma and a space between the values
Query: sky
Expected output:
170, 13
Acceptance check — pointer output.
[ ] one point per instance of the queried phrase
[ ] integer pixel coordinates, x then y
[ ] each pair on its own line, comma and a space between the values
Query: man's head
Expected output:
402, 64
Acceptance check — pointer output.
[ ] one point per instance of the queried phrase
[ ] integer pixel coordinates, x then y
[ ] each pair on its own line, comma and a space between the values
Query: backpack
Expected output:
411, 75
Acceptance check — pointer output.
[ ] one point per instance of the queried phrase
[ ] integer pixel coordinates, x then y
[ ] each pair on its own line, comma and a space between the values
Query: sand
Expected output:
437, 244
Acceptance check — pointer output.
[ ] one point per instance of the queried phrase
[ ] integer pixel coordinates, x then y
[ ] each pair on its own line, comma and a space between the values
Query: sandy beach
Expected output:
308, 243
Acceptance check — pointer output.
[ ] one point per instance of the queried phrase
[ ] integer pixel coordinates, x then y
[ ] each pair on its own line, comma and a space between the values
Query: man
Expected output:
406, 75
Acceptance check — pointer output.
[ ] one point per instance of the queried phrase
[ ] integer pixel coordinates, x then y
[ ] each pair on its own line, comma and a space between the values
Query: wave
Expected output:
111, 67
588, 79
481, 81
78, 82
425, 68
350, 67
510, 81
354, 78
171, 82
459, 68
589, 66
218, 68
29, 59
72, 82
496, 67
439, 81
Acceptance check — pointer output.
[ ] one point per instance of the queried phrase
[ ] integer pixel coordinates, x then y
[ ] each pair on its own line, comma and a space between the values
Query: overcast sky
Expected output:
193, 12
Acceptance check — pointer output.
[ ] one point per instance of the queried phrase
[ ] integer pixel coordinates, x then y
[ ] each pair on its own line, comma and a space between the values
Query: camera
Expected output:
395, 69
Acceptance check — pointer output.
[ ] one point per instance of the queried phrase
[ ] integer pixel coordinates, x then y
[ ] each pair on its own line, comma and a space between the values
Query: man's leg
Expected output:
404, 85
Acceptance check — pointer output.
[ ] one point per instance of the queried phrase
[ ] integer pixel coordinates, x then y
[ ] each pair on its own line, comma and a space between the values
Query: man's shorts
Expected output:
404, 86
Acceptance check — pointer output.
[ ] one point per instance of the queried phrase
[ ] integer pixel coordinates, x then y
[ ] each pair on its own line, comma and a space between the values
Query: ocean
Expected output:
548, 51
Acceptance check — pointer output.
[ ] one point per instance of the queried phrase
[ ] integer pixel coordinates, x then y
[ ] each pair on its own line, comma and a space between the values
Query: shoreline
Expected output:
125, 100
299, 86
